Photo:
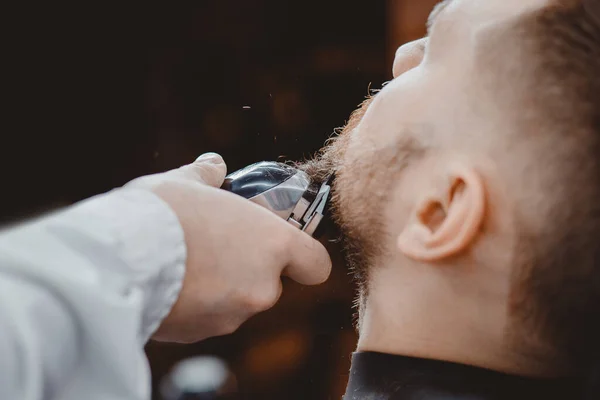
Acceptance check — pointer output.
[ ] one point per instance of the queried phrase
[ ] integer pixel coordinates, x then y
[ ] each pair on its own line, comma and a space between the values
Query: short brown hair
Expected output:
557, 290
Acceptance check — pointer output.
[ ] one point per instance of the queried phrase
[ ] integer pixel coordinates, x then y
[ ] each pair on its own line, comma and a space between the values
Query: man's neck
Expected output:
427, 314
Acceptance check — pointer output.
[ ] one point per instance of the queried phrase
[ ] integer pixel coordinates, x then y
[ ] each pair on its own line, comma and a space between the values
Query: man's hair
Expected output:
556, 291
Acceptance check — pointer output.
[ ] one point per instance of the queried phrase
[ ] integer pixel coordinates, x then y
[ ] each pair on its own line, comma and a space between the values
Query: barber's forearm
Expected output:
109, 270
135, 242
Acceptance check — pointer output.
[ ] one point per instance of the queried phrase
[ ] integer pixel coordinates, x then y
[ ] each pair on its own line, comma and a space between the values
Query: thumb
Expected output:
309, 262
209, 168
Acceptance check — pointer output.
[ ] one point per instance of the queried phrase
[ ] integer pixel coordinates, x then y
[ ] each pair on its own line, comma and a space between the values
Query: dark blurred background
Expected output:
97, 94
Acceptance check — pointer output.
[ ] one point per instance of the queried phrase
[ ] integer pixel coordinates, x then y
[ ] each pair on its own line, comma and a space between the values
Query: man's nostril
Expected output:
409, 56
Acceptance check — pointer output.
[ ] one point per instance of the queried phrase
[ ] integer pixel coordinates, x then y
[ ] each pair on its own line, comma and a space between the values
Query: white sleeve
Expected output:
81, 291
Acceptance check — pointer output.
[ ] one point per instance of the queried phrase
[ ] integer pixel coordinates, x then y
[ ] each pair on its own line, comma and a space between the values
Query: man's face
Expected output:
443, 98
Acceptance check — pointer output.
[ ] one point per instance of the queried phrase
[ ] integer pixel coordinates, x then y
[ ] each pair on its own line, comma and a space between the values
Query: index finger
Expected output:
309, 263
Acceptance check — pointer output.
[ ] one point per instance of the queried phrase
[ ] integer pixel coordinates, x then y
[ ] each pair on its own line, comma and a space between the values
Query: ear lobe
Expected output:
446, 223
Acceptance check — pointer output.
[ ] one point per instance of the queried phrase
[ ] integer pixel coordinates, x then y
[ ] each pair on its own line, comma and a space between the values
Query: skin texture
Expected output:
236, 253
429, 194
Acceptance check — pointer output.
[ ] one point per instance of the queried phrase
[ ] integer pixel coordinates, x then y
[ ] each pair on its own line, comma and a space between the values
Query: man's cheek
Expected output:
404, 101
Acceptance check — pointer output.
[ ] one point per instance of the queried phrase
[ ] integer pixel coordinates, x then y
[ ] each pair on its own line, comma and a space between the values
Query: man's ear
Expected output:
446, 221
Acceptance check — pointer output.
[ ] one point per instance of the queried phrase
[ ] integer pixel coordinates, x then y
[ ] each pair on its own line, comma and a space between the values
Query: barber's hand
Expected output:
237, 252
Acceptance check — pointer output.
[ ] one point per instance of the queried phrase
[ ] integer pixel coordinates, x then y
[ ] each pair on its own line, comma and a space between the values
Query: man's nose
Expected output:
409, 56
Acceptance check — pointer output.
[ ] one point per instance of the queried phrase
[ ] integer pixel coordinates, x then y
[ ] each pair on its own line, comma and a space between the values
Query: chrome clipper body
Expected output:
284, 190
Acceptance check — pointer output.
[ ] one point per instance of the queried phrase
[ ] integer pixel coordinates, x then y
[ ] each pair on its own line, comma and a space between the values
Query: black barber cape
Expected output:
377, 376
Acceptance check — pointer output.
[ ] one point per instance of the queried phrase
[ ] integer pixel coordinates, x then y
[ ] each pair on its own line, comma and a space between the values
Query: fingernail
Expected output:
211, 157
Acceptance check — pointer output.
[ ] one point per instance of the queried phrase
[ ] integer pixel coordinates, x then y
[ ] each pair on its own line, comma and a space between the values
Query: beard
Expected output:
345, 228
365, 173
328, 162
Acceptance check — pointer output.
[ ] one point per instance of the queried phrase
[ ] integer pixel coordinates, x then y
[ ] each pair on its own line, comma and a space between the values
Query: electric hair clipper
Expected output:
284, 190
